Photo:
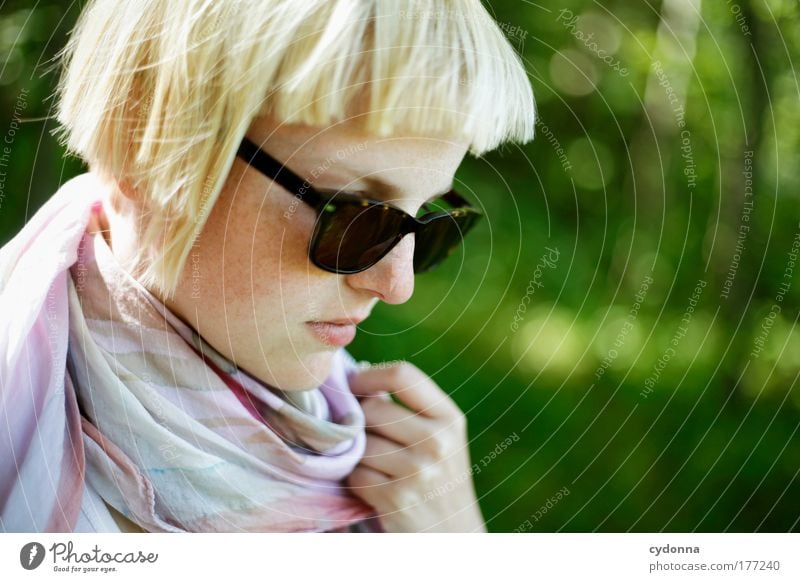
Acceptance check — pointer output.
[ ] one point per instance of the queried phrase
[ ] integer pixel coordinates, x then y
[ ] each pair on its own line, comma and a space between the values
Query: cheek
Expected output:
248, 287
263, 262
275, 242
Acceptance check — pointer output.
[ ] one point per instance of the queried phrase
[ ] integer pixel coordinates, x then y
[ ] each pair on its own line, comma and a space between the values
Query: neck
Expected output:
118, 220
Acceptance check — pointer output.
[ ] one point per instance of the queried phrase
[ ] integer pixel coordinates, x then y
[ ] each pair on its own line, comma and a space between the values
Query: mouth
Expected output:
336, 332
332, 333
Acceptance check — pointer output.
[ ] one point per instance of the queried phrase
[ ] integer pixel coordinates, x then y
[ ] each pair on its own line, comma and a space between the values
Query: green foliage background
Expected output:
712, 444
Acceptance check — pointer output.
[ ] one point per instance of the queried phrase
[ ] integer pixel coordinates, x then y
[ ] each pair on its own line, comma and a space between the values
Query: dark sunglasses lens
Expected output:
437, 240
351, 237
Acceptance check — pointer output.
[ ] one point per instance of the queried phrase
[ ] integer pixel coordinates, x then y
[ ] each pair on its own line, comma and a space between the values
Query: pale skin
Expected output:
249, 288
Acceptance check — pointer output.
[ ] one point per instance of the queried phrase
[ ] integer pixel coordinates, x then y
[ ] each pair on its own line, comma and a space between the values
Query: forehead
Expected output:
346, 150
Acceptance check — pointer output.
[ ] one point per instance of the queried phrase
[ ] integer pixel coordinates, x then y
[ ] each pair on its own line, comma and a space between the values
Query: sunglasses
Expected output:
352, 232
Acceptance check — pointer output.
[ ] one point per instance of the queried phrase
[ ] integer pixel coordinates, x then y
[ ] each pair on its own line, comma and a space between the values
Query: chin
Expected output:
308, 373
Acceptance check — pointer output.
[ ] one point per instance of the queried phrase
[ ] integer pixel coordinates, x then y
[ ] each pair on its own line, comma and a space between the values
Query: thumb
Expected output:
371, 380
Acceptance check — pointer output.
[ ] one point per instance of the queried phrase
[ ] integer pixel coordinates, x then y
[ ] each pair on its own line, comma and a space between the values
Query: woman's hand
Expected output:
416, 471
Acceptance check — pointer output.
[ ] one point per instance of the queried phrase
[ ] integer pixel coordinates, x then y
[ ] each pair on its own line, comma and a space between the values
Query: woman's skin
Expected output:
249, 288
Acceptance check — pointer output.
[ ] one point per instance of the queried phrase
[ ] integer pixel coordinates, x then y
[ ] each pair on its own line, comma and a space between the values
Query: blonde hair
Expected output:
159, 94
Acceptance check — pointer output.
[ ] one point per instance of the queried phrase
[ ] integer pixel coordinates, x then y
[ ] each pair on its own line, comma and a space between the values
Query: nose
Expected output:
392, 278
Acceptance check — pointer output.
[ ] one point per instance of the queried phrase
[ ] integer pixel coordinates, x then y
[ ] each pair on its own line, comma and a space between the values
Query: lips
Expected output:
333, 334
345, 320
336, 332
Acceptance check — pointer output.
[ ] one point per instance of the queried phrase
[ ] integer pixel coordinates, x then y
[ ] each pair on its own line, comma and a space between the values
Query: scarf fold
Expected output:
101, 383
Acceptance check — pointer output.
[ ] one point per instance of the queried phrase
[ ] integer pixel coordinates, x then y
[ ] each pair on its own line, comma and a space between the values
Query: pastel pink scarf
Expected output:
101, 383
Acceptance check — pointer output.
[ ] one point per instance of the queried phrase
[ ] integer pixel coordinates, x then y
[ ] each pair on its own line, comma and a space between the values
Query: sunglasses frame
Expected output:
256, 157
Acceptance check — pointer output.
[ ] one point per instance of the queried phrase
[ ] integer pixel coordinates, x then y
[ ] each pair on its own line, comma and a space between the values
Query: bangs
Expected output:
420, 68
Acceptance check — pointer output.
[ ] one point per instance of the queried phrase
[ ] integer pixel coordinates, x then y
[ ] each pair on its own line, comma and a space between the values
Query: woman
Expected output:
174, 320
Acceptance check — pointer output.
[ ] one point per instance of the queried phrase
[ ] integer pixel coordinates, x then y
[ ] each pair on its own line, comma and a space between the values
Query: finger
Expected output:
388, 457
412, 387
364, 481
382, 396
392, 421
360, 367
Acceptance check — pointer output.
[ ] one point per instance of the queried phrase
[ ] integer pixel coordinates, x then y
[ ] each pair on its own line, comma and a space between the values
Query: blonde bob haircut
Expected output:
159, 93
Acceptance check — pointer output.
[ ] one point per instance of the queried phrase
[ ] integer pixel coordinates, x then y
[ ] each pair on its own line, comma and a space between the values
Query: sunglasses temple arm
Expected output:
278, 173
